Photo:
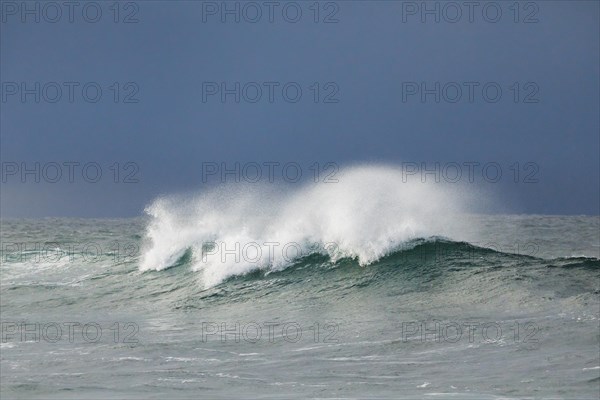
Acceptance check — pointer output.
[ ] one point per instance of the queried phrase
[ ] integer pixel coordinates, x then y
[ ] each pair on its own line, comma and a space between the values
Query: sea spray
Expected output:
237, 228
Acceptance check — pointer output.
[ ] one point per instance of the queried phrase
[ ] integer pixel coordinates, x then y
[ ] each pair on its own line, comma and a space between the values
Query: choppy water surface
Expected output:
507, 307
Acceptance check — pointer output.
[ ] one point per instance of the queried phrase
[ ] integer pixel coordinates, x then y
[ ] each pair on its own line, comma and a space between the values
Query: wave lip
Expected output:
235, 229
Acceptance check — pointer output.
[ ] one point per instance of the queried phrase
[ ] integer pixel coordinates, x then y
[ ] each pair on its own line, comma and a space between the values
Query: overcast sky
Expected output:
367, 72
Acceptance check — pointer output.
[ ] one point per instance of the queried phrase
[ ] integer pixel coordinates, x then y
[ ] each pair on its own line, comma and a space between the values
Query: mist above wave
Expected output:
235, 229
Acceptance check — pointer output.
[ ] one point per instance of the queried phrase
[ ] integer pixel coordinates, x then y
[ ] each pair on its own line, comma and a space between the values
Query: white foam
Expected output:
367, 214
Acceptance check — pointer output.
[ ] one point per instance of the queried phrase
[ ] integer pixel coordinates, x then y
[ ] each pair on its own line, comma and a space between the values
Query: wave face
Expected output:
236, 229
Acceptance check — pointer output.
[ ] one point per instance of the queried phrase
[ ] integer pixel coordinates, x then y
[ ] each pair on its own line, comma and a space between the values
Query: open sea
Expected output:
322, 293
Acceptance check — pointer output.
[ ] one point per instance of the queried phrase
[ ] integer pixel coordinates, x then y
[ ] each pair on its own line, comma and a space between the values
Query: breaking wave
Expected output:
235, 229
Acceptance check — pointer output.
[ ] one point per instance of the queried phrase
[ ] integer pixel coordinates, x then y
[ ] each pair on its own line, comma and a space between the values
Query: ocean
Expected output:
384, 292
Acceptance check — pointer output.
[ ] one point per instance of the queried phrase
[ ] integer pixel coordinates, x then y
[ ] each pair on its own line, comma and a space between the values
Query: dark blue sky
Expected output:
367, 61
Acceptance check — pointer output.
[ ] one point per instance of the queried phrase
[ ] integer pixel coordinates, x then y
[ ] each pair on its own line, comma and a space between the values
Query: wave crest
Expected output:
235, 229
